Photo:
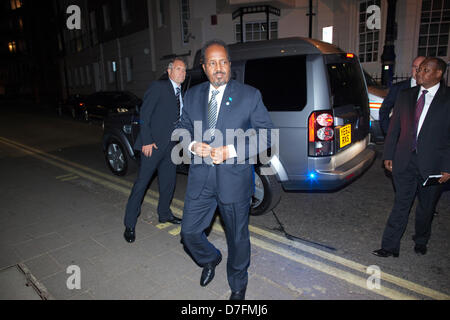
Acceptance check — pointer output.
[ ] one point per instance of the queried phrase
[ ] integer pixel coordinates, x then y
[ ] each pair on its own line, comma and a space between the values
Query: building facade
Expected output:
126, 44
27, 50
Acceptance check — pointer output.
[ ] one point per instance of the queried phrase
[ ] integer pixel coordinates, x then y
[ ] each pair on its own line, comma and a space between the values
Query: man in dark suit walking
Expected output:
417, 145
223, 178
159, 115
389, 101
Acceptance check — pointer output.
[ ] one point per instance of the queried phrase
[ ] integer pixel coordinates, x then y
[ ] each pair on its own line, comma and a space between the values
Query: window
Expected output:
347, 83
111, 71
16, 4
185, 16
255, 31
106, 17
69, 78
125, 12
93, 28
77, 78
281, 90
82, 82
12, 47
161, 14
434, 28
88, 75
129, 68
368, 38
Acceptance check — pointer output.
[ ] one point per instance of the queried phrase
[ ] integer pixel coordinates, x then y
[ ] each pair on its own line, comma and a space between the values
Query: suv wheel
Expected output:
117, 159
267, 194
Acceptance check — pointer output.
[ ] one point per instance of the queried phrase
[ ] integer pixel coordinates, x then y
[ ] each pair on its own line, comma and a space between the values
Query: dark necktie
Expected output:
419, 108
178, 95
212, 110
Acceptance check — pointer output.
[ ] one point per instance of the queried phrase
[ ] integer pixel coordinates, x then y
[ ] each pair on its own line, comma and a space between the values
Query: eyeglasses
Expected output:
214, 64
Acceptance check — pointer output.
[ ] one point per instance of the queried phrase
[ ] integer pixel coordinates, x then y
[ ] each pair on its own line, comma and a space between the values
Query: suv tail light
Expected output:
321, 134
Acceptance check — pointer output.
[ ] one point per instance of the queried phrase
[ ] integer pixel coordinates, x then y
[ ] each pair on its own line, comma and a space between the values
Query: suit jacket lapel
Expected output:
205, 101
435, 104
171, 90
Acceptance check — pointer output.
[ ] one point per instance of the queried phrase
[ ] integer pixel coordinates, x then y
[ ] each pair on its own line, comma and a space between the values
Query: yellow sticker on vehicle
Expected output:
345, 134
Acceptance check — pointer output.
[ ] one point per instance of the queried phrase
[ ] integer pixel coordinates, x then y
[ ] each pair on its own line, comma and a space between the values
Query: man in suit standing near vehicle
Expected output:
159, 115
389, 101
417, 145
219, 105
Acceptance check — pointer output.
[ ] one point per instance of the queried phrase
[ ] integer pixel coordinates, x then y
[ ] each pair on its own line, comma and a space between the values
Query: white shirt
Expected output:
175, 86
428, 99
413, 82
231, 150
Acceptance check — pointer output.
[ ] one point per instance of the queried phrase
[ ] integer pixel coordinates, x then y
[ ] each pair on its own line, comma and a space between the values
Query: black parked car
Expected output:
74, 106
100, 104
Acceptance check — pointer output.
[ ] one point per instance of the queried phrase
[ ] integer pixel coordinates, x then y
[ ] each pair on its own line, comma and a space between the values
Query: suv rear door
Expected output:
350, 102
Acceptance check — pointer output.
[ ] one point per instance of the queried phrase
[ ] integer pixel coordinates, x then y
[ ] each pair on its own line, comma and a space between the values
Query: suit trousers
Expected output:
197, 217
408, 184
167, 176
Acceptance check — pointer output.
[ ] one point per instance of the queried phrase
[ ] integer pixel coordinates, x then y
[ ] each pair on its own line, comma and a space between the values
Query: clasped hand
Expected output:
218, 155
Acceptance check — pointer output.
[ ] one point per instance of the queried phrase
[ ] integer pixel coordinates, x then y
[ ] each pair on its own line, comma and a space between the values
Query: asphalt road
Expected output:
347, 224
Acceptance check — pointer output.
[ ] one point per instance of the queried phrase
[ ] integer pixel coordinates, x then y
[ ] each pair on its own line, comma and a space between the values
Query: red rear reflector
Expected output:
350, 176
350, 55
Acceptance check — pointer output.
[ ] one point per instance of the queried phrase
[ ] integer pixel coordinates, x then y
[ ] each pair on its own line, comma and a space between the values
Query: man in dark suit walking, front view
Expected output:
220, 105
417, 145
159, 115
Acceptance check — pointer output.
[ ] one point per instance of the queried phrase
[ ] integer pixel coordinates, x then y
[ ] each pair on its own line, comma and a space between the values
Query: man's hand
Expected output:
219, 155
388, 165
147, 150
445, 177
201, 149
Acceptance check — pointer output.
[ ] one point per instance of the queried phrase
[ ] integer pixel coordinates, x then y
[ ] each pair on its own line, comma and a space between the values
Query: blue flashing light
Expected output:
312, 176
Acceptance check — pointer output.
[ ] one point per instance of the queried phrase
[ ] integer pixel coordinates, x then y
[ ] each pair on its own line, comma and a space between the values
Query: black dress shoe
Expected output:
420, 249
238, 295
385, 253
209, 271
129, 235
173, 220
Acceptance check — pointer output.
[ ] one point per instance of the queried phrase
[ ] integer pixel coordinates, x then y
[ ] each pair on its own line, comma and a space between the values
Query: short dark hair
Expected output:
211, 43
172, 61
441, 65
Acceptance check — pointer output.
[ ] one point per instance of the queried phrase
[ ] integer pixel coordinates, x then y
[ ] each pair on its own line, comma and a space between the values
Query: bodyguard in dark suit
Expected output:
216, 181
417, 145
159, 115
389, 101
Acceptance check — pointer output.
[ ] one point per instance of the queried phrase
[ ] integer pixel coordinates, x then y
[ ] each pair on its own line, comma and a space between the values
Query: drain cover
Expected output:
17, 283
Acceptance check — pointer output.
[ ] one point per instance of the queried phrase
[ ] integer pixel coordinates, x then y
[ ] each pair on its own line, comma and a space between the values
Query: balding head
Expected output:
415, 65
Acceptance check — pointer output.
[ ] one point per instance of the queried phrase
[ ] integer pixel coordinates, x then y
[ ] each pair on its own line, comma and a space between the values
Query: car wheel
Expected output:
117, 159
267, 194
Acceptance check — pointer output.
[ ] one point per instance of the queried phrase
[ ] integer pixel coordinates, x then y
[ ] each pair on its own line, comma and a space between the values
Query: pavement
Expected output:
61, 234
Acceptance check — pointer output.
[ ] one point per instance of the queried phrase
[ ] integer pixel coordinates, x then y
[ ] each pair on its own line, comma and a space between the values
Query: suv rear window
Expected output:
347, 83
281, 80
